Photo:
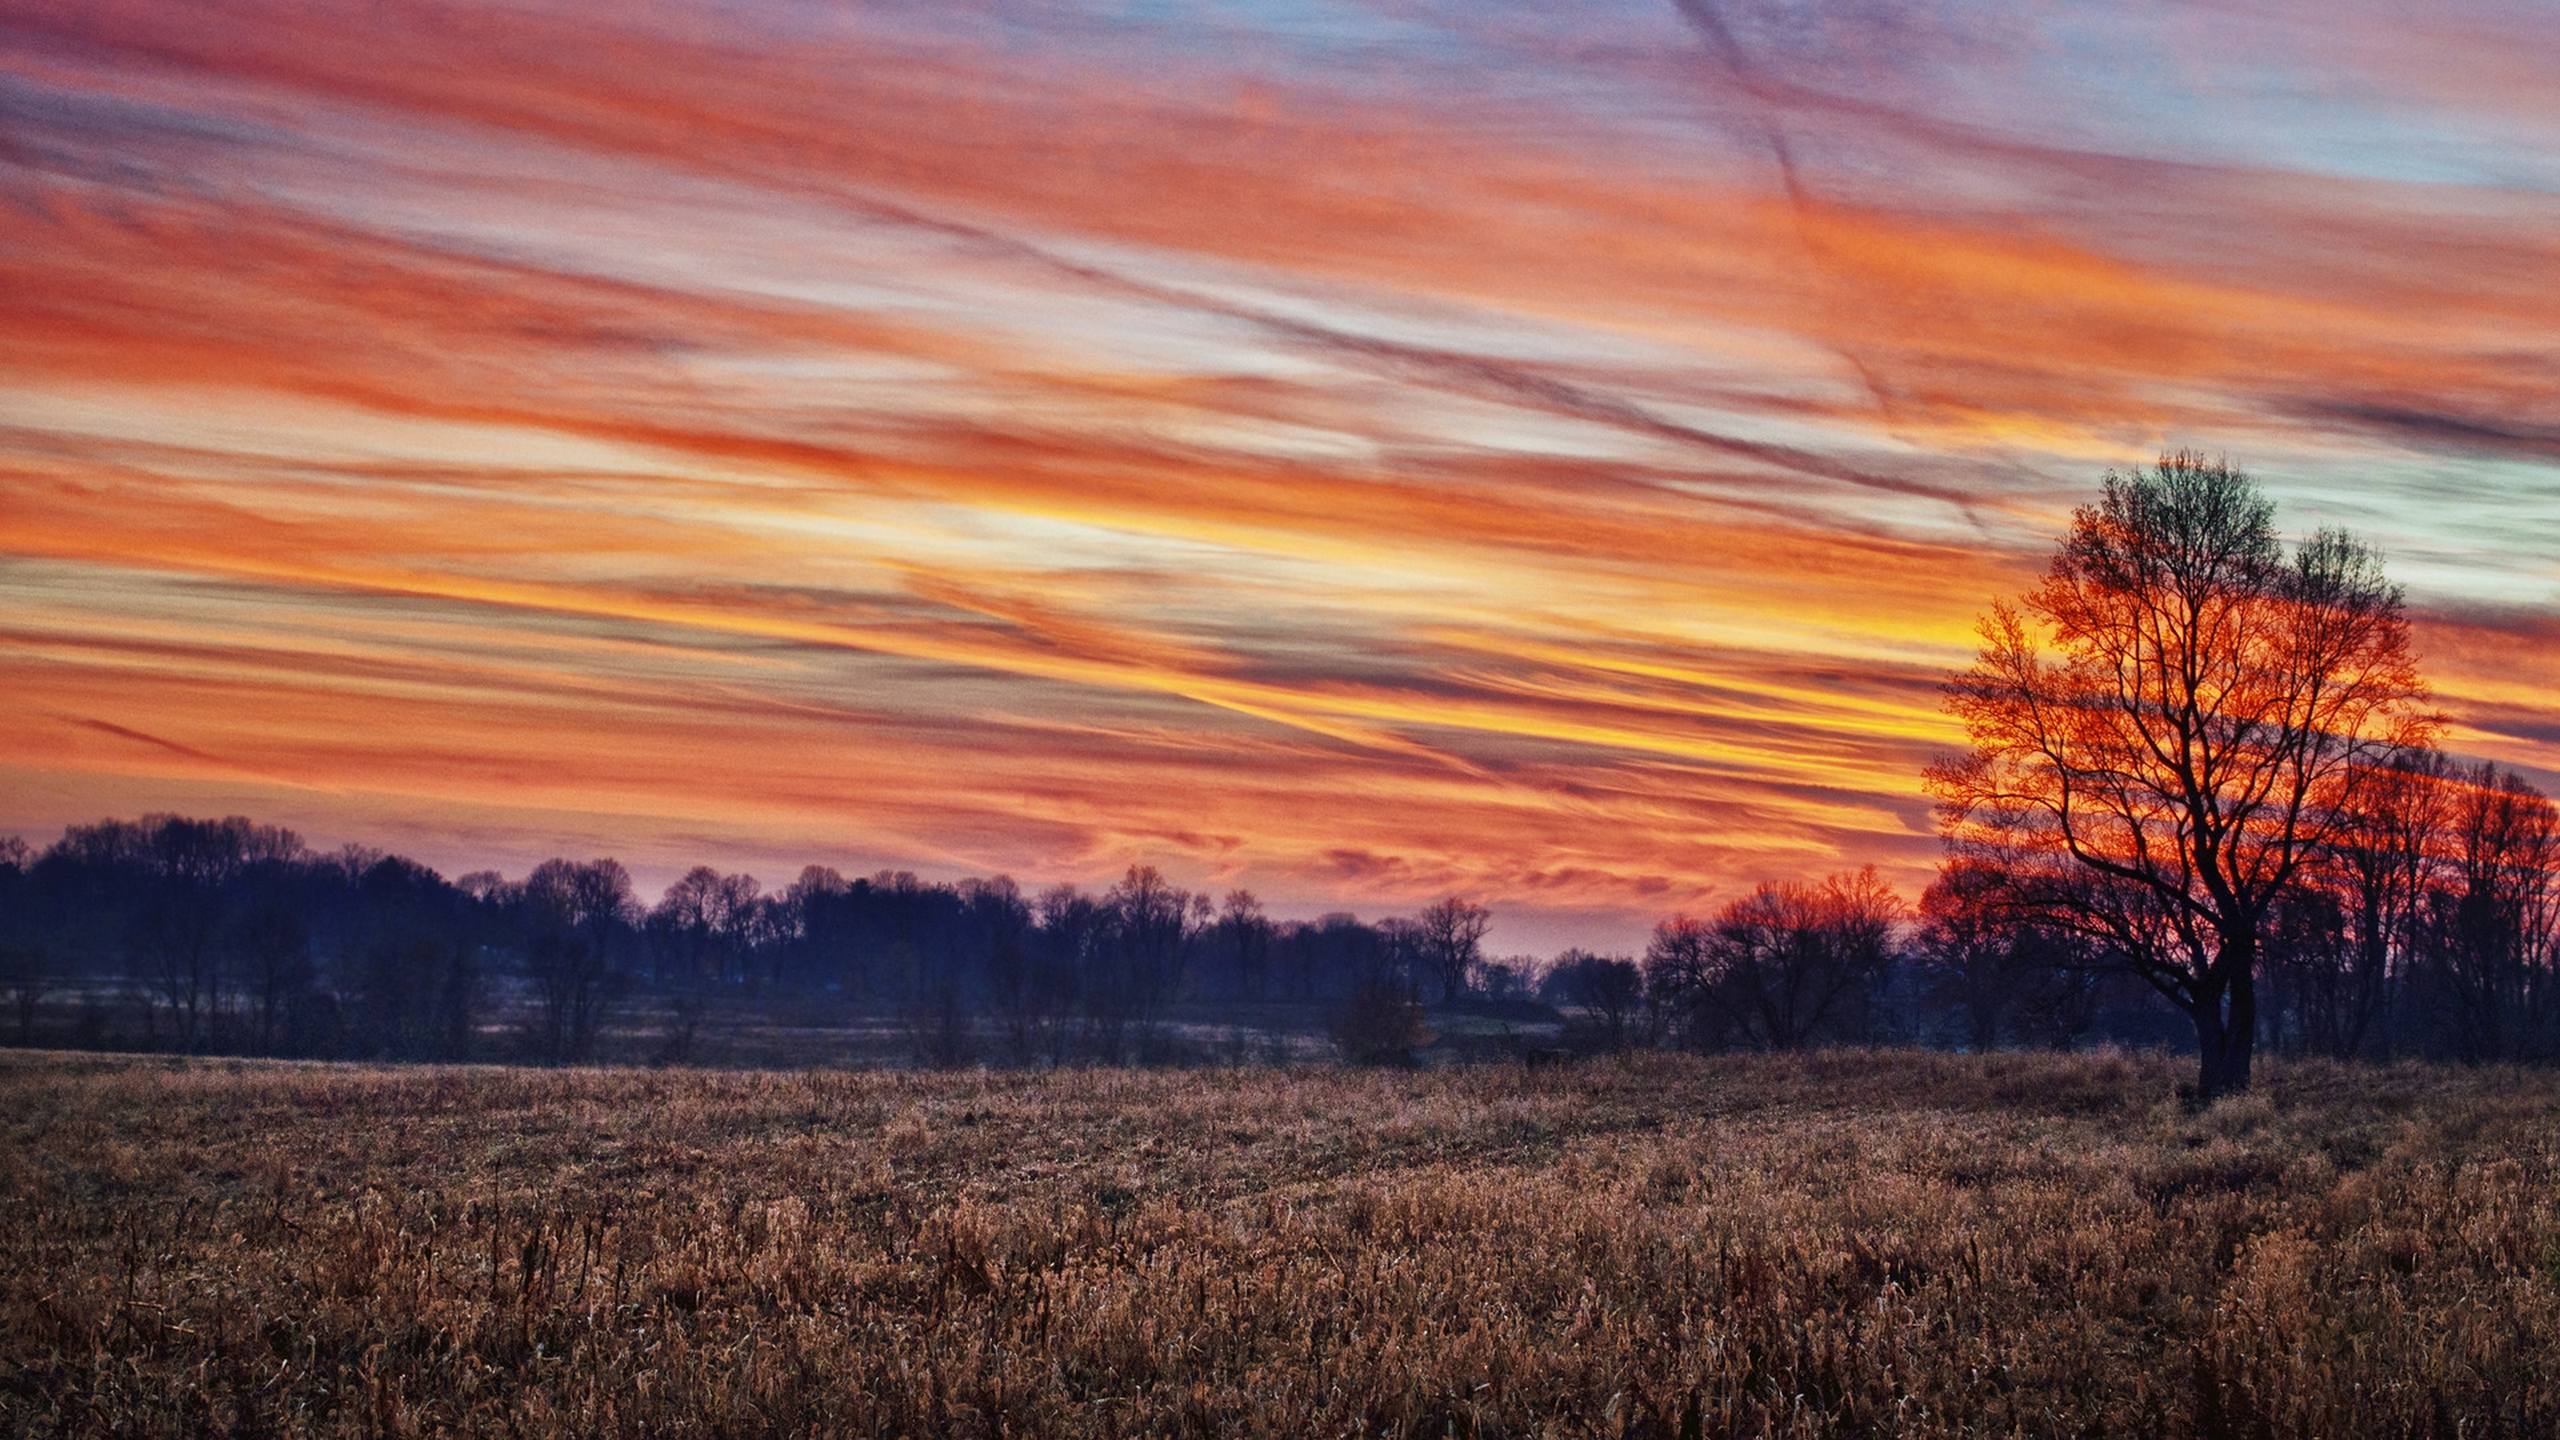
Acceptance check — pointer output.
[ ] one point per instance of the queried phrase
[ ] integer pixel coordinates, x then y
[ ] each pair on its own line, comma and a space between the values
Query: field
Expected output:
1848, 1243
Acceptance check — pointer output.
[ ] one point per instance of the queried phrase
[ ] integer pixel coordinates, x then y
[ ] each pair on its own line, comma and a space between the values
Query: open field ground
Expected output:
1852, 1243
743, 1029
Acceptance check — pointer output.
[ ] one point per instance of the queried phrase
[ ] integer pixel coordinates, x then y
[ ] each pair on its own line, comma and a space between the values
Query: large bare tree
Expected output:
2178, 719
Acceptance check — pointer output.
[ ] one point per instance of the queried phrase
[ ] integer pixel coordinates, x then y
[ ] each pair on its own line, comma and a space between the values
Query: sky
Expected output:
1355, 451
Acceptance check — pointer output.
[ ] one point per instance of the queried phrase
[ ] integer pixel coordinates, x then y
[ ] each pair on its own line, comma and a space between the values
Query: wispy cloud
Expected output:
1418, 448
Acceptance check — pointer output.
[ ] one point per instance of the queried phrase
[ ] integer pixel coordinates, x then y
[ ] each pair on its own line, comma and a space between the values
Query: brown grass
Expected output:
1894, 1243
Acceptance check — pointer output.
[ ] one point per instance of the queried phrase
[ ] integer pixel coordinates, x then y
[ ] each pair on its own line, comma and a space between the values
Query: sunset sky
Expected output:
1356, 451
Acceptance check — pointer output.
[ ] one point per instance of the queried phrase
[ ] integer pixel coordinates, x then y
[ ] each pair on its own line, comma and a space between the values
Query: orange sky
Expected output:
1359, 452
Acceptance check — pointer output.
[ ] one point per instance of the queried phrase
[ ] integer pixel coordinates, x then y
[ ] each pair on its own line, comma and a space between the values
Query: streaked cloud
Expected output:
1357, 451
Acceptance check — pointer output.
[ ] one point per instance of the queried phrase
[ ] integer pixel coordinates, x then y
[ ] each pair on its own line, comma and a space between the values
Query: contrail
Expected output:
1444, 369
145, 737
1708, 21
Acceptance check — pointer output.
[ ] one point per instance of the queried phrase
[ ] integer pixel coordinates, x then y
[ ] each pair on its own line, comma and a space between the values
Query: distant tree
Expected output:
965, 943
394, 903
1332, 956
487, 886
274, 947
814, 881
593, 897
1036, 1002
1607, 989
804, 912
1503, 982
1786, 966
1399, 954
2489, 938
186, 880
416, 999
573, 984
2172, 725
575, 912
24, 984
1380, 1023
937, 1021
1676, 976
2008, 978
2372, 877
704, 923
1239, 942
24, 978
1027, 1001
1150, 920
1450, 936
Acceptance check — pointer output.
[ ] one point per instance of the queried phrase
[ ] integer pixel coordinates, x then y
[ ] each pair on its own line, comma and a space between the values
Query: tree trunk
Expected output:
2227, 1027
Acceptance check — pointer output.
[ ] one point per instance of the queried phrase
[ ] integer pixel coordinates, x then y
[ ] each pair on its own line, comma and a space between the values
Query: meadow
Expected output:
1842, 1243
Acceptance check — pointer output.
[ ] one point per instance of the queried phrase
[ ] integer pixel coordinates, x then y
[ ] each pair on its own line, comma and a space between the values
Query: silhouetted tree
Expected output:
2489, 938
1676, 975
704, 923
2007, 978
1333, 956
1503, 982
1238, 946
2172, 725
1607, 989
1784, 967
1793, 964
23, 986
416, 999
488, 887
183, 880
801, 915
274, 948
1450, 939
576, 912
24, 978
2346, 941
1380, 1023
1149, 923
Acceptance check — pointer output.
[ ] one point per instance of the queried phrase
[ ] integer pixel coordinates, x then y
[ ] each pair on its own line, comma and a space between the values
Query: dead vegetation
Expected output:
1842, 1243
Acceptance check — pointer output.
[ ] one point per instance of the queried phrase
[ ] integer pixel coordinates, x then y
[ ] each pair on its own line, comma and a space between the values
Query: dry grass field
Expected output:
1851, 1243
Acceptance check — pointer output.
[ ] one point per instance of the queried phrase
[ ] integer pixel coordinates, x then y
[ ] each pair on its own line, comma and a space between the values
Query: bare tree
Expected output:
274, 950
1450, 937
2341, 938
1607, 989
575, 910
592, 896
2010, 978
1151, 922
1791, 965
2173, 724
1034, 1002
24, 986
23, 981
708, 919
1241, 942
191, 875
2490, 941
1676, 975
1380, 1024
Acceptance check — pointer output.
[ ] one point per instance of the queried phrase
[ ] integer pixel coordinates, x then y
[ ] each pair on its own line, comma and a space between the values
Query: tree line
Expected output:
2435, 934
229, 935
